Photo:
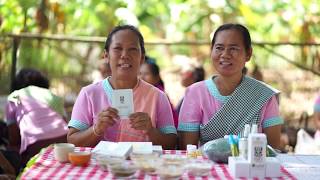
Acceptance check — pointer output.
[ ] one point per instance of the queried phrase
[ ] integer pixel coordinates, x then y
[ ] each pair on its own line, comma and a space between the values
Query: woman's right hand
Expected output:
106, 119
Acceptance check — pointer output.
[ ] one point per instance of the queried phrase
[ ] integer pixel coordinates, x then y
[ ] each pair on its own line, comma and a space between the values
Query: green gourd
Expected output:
217, 150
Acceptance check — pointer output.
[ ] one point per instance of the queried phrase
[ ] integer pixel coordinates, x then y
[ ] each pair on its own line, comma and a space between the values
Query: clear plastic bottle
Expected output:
243, 142
243, 148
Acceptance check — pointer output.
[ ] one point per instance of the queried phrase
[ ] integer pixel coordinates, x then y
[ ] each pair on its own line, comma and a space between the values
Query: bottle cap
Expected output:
246, 131
254, 128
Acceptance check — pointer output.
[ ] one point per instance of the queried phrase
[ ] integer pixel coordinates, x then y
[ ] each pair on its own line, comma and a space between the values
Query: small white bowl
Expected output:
199, 168
172, 159
106, 161
124, 169
170, 171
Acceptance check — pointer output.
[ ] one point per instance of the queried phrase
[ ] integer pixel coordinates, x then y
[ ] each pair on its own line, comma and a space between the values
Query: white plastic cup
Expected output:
61, 151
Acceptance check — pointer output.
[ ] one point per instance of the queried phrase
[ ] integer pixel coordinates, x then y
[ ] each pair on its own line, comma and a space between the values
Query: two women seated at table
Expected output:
211, 109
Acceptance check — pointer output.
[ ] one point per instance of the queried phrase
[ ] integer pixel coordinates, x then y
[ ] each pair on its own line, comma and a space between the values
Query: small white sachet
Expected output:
122, 100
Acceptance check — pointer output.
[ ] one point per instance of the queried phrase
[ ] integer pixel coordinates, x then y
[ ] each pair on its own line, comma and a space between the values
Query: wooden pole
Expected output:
14, 61
99, 39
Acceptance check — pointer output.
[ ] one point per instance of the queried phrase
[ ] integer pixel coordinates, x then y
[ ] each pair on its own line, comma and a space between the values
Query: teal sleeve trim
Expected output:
78, 124
190, 127
168, 130
317, 108
272, 122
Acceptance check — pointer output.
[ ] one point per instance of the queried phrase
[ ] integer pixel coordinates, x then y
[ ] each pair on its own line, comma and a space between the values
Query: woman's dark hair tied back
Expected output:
125, 27
27, 77
198, 74
242, 29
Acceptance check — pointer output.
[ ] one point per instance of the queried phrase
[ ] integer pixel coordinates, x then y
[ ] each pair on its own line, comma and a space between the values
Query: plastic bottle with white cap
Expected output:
254, 129
243, 142
257, 143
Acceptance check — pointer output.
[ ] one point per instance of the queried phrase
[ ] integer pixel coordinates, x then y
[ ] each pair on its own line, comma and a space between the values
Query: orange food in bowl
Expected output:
79, 158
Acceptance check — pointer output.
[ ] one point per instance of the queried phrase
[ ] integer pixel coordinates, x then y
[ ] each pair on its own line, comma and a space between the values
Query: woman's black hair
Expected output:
155, 70
125, 27
242, 29
27, 77
198, 74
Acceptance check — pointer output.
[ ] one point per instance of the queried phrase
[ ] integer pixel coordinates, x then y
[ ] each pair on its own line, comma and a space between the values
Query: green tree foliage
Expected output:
159, 20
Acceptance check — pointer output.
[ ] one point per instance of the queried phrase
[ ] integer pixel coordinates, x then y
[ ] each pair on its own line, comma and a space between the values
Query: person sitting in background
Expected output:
189, 76
93, 119
316, 118
223, 104
34, 115
104, 71
150, 72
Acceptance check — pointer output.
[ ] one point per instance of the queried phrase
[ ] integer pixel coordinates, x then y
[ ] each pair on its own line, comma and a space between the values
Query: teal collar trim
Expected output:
107, 88
212, 88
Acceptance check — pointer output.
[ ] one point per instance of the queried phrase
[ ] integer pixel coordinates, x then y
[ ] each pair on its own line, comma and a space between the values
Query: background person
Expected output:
150, 72
189, 76
316, 118
34, 115
104, 71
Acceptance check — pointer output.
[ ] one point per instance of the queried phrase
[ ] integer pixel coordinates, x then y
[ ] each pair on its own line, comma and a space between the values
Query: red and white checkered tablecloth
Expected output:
46, 167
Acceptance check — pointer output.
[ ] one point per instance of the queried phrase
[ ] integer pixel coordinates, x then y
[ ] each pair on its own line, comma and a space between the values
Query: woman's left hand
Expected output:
140, 121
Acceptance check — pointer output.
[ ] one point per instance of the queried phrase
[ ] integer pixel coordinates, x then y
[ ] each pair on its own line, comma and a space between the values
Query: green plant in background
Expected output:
159, 20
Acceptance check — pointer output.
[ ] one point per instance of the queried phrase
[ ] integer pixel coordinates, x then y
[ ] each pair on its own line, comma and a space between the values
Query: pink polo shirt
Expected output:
96, 97
203, 99
36, 121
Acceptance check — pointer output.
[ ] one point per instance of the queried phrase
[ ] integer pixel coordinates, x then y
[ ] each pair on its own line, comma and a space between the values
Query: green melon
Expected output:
217, 150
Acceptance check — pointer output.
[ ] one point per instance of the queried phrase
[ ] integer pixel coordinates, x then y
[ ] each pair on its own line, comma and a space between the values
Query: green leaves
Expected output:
169, 20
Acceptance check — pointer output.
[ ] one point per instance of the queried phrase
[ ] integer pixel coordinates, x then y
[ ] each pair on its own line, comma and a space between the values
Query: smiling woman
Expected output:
93, 119
227, 101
